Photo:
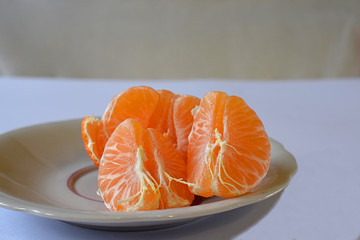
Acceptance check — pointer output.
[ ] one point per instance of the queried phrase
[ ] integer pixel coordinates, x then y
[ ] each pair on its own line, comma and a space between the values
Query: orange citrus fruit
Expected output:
141, 170
229, 150
156, 149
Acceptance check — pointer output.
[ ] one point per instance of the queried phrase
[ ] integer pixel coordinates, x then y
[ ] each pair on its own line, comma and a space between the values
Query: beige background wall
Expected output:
180, 39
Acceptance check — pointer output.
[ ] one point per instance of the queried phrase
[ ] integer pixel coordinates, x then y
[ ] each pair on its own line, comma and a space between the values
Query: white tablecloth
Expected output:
316, 120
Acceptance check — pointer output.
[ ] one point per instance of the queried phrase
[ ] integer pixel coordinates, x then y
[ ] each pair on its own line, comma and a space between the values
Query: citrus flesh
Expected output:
136, 102
183, 121
89, 130
159, 109
156, 149
229, 150
141, 170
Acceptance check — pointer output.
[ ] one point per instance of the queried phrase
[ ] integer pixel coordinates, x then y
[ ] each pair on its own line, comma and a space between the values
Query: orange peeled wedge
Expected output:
229, 150
90, 130
137, 102
141, 170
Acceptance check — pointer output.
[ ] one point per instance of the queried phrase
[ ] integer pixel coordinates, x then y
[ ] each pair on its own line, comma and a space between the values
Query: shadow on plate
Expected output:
224, 225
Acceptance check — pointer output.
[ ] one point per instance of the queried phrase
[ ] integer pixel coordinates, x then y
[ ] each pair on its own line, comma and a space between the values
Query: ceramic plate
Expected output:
44, 170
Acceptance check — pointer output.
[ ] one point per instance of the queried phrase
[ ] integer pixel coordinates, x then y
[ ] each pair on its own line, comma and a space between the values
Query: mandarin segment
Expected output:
173, 117
162, 117
124, 182
246, 150
202, 147
229, 150
136, 102
141, 170
89, 130
183, 121
168, 169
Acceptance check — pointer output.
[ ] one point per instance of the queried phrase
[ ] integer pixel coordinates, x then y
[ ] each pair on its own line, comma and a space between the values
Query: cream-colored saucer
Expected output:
44, 170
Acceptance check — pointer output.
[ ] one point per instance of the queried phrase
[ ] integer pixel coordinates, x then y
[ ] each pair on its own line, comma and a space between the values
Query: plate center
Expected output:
83, 183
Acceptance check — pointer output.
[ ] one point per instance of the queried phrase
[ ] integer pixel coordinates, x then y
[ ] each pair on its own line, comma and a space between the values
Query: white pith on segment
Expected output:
135, 175
163, 183
168, 169
208, 158
224, 150
221, 168
194, 110
126, 189
144, 177
201, 155
219, 171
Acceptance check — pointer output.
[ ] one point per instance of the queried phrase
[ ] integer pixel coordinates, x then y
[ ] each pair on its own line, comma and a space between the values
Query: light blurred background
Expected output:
176, 39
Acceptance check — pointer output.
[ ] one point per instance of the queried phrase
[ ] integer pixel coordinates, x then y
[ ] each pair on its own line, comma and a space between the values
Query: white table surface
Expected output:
318, 121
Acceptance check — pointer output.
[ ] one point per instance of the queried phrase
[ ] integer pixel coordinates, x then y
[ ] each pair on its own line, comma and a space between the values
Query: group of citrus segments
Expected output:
156, 149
